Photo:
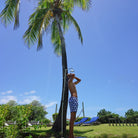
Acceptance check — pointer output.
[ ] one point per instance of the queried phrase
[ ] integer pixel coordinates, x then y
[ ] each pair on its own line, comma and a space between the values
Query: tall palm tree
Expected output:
55, 14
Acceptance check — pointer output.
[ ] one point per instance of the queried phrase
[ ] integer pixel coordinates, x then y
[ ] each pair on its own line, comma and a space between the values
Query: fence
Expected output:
116, 121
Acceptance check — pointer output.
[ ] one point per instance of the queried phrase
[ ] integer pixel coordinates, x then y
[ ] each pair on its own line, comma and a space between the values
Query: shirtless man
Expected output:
73, 101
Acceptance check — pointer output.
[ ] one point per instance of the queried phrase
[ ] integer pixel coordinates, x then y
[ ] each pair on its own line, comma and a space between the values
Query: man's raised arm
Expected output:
78, 80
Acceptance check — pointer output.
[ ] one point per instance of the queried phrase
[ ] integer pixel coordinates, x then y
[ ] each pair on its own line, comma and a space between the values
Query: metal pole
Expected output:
56, 109
83, 109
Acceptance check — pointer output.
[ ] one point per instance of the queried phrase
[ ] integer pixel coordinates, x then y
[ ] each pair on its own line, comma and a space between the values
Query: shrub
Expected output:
54, 116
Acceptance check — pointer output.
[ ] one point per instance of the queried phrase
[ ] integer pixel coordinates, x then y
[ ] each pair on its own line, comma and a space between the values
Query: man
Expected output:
73, 101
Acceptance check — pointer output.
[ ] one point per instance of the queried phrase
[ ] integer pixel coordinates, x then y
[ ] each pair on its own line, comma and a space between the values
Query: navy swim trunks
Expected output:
73, 103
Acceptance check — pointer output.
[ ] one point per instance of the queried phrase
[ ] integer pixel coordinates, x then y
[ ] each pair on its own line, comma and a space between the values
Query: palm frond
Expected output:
65, 21
43, 26
58, 49
67, 5
70, 19
38, 22
84, 4
8, 13
45, 4
55, 38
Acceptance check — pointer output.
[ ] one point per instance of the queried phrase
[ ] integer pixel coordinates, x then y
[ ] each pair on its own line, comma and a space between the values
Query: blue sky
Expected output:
106, 62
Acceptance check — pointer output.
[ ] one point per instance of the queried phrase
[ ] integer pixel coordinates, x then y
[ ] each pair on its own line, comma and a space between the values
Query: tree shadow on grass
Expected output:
45, 134
49, 133
80, 133
39, 131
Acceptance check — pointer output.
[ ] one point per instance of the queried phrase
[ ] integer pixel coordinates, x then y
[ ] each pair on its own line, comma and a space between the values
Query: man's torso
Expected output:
72, 89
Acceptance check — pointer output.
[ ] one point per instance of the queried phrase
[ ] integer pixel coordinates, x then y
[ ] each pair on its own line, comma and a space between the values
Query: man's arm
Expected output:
78, 80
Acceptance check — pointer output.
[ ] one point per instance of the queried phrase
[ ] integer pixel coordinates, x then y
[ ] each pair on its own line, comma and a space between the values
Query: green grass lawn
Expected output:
99, 131
105, 129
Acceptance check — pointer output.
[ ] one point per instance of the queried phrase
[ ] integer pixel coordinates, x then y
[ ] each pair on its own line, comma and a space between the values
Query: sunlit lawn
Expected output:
103, 130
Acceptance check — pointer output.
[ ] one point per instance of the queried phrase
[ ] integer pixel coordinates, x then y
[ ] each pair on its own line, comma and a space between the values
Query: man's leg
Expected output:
72, 119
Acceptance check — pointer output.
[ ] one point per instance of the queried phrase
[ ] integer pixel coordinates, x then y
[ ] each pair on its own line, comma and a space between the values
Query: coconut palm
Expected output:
55, 15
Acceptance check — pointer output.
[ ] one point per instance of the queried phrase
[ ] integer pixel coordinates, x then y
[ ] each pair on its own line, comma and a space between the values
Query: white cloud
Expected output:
26, 93
10, 91
7, 92
6, 99
31, 92
50, 104
29, 99
22, 100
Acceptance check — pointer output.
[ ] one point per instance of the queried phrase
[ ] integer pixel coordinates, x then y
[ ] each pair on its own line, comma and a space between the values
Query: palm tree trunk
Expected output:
64, 100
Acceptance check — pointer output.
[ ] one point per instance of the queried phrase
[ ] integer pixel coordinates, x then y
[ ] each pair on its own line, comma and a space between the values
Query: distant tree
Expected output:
131, 115
12, 103
135, 115
103, 112
38, 111
46, 121
105, 115
36, 103
122, 119
130, 112
115, 115
11, 110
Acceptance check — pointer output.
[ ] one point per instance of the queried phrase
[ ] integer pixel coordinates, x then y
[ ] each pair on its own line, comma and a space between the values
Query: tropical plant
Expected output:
57, 15
3, 114
20, 120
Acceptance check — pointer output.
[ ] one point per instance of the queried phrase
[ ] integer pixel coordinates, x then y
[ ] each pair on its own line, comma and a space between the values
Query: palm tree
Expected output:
55, 14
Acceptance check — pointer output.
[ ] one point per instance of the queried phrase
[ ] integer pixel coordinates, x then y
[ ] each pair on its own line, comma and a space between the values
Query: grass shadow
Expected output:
39, 131
45, 133
79, 133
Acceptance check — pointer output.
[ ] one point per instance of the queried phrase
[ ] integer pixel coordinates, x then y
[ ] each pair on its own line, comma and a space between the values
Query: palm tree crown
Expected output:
44, 17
